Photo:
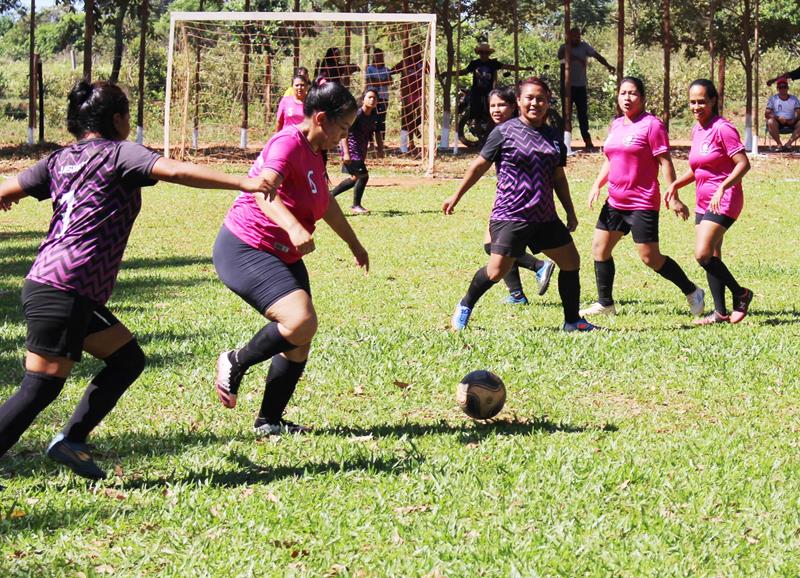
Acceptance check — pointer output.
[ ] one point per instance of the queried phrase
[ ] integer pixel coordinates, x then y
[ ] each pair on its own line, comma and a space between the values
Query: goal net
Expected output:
228, 71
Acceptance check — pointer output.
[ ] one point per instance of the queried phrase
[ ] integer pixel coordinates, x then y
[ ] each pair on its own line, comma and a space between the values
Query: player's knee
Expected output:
298, 354
130, 358
301, 328
495, 273
703, 256
651, 258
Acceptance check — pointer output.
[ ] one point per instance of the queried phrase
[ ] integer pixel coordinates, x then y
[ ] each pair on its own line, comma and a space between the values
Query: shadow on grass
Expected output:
399, 213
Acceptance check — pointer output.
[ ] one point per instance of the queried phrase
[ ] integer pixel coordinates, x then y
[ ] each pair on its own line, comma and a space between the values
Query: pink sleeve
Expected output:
281, 109
657, 137
278, 152
729, 137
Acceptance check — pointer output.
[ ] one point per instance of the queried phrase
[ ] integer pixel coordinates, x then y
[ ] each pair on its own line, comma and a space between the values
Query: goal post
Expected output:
209, 93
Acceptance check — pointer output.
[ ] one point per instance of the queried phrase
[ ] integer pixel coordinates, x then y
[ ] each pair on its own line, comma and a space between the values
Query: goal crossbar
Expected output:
430, 19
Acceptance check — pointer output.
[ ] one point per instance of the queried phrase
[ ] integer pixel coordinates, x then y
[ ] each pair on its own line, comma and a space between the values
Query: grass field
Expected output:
651, 449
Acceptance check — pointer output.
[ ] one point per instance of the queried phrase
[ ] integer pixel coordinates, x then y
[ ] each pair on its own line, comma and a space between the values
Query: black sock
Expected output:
121, 370
345, 185
528, 261
671, 271
35, 393
569, 288
514, 283
480, 284
717, 289
604, 272
281, 382
716, 268
358, 192
265, 344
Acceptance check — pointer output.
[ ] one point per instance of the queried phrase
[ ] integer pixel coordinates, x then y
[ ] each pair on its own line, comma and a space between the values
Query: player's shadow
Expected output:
400, 213
469, 431
50, 517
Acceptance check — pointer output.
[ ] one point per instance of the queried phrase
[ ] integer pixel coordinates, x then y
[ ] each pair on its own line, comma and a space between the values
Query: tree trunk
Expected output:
666, 23
144, 9
721, 83
88, 37
747, 61
119, 43
296, 40
566, 93
32, 75
620, 39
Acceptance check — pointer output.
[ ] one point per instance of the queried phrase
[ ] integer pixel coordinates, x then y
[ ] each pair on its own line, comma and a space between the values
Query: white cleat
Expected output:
598, 309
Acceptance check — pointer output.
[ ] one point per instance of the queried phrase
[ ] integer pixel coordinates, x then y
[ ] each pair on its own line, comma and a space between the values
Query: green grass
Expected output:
652, 449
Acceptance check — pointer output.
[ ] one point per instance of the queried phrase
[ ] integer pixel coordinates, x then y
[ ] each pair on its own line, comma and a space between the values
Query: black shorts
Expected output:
380, 124
723, 220
643, 224
355, 168
59, 321
258, 277
511, 238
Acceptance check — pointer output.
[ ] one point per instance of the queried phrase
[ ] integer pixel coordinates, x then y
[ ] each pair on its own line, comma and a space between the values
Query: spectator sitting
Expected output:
783, 115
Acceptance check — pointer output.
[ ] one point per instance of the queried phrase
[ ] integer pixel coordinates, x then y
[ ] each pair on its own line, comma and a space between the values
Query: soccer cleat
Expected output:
712, 318
76, 456
543, 276
581, 325
460, 317
359, 210
740, 305
263, 429
697, 301
598, 309
512, 300
228, 379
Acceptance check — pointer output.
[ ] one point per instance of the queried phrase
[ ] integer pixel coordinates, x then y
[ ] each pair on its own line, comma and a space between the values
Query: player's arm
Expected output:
599, 182
277, 212
199, 176
340, 225
475, 171
10, 192
561, 186
345, 151
668, 173
683, 180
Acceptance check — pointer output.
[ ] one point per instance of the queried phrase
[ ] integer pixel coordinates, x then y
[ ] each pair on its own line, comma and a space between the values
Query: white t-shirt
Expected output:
783, 108
579, 55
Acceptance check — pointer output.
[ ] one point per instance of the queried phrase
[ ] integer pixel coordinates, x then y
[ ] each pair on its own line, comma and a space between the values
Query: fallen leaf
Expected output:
402, 384
214, 511
397, 539
472, 534
364, 438
32, 501
358, 390
411, 509
435, 573
104, 569
17, 554
116, 494
298, 553
273, 498
248, 492
624, 485
335, 570
118, 470
17, 513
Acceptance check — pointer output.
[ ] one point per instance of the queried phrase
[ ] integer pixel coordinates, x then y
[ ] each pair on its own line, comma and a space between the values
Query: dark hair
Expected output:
331, 98
368, 90
507, 95
637, 82
535, 81
301, 71
92, 108
300, 77
711, 92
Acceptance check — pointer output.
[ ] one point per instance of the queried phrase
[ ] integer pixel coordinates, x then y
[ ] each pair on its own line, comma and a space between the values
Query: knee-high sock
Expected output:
569, 288
604, 272
35, 393
345, 185
281, 382
671, 271
121, 370
480, 284
720, 277
265, 344
358, 191
528, 261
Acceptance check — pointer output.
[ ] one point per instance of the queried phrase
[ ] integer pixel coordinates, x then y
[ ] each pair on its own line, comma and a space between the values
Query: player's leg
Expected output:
610, 228
362, 178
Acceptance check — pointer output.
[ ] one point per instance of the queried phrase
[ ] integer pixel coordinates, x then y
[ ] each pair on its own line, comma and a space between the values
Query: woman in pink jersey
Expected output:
290, 108
95, 187
636, 148
717, 164
259, 253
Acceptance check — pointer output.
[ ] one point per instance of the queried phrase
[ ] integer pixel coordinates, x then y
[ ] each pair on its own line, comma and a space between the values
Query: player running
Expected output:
717, 164
259, 253
95, 187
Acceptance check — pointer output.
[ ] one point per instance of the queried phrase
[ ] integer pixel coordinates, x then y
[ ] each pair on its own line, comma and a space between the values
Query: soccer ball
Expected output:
481, 394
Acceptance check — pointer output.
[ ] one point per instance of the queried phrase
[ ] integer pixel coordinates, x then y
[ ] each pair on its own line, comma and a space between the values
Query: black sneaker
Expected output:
229, 377
76, 456
741, 304
263, 429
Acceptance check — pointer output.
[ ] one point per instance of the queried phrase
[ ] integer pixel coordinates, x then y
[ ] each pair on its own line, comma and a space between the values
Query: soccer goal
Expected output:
227, 72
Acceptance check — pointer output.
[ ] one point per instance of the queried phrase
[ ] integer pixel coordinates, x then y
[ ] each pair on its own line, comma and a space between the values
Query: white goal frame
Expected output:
430, 19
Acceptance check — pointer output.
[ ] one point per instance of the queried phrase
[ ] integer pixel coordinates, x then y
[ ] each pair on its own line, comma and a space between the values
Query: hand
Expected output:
612, 69
259, 184
361, 257
572, 222
679, 208
671, 193
6, 204
449, 204
713, 204
301, 239
594, 194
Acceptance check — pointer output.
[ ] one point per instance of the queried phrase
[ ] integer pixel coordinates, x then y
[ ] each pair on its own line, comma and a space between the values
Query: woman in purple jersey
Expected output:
95, 187
530, 161
354, 151
503, 107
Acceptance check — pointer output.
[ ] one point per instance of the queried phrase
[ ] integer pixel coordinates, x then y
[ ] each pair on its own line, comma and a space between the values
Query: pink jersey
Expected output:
291, 110
710, 159
632, 150
304, 191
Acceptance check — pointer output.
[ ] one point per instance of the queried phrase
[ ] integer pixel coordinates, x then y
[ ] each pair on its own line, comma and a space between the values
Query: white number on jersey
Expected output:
311, 182
67, 199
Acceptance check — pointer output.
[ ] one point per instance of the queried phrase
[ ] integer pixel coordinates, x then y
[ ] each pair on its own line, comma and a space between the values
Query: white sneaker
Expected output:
598, 309
697, 301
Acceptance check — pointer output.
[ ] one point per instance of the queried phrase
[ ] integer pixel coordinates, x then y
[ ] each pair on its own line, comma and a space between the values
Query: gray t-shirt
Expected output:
577, 63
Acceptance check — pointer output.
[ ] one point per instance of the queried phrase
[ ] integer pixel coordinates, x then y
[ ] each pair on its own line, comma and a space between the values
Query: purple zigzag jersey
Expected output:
526, 158
360, 133
95, 186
